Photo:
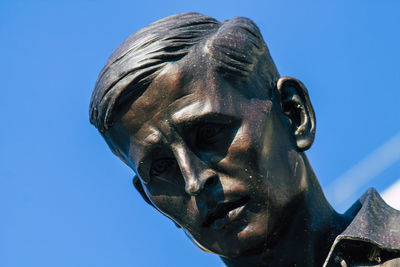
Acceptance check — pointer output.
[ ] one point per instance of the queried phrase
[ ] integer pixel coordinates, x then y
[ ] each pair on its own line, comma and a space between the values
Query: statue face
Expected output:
223, 166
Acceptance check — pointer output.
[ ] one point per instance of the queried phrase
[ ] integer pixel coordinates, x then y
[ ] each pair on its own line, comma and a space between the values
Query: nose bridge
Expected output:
193, 170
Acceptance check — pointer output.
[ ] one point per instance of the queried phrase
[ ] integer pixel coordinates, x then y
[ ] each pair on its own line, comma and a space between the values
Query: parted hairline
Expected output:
236, 45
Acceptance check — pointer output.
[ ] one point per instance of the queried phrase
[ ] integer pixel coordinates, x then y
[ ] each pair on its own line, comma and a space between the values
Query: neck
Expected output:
305, 239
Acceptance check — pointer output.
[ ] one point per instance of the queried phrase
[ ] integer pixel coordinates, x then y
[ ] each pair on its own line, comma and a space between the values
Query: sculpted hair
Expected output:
236, 45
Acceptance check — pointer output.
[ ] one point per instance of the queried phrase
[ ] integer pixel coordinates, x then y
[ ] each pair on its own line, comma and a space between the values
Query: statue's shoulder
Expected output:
372, 238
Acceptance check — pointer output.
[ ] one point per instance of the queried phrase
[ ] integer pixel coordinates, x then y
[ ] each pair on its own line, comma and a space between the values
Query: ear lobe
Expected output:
296, 104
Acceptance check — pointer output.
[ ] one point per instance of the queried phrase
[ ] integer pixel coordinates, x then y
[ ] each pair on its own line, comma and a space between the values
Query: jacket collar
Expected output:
375, 223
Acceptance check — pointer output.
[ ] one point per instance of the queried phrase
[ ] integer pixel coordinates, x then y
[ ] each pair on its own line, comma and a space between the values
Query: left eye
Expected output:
207, 134
161, 166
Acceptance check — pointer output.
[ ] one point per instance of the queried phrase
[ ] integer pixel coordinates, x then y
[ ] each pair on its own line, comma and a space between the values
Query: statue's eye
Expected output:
208, 134
161, 166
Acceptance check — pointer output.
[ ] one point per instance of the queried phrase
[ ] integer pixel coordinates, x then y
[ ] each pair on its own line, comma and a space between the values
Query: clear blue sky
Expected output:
66, 200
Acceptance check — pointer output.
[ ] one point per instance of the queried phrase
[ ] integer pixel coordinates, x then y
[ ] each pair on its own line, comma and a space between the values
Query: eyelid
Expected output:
208, 118
144, 165
156, 152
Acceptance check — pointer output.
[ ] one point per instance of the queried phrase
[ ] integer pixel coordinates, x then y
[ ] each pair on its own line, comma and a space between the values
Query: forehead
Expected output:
179, 91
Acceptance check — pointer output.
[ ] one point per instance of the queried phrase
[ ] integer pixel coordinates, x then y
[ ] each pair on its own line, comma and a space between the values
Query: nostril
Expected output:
193, 189
195, 186
211, 181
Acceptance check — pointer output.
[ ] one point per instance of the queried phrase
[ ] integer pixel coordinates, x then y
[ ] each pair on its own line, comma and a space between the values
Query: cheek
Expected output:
250, 138
245, 146
179, 208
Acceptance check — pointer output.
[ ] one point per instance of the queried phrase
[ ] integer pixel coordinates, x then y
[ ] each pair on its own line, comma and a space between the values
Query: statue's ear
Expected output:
297, 106
138, 185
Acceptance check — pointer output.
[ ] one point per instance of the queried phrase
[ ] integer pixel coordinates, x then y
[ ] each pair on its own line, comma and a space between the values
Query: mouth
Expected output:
224, 213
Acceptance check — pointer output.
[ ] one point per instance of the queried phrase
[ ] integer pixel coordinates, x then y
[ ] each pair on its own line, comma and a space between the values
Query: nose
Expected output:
205, 180
195, 172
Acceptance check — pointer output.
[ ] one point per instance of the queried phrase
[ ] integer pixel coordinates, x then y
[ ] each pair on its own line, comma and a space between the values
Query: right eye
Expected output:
161, 166
208, 134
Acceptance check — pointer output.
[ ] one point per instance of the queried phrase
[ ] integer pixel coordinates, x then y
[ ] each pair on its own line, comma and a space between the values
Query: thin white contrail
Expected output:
392, 195
346, 185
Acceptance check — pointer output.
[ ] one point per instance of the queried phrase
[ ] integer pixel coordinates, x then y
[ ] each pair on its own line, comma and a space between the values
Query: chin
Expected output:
251, 240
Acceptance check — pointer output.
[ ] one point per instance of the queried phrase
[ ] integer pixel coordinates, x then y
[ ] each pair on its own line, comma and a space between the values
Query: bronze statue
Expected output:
197, 109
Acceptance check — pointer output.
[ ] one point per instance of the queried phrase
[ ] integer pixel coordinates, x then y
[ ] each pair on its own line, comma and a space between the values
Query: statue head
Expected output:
197, 109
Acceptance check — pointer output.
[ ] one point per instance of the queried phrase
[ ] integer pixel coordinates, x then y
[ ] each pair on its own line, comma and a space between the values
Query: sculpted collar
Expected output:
372, 238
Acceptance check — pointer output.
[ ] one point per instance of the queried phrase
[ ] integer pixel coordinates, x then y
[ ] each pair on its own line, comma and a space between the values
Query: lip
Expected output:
224, 213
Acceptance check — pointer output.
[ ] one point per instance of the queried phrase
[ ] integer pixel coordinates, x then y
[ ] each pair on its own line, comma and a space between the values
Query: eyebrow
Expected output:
151, 142
153, 138
211, 117
202, 112
179, 123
